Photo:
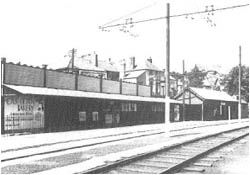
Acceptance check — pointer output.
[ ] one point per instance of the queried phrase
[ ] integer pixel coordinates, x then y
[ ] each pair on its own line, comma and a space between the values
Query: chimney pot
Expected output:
96, 60
150, 60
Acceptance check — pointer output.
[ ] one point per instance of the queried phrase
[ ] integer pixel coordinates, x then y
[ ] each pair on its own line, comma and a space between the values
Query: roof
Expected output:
89, 64
134, 74
209, 94
146, 65
107, 66
29, 90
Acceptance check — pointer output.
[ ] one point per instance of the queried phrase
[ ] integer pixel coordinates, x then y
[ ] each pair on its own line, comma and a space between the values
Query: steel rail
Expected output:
127, 161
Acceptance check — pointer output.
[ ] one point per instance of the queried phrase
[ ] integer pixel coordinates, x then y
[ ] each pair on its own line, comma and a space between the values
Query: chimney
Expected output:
132, 62
150, 60
124, 68
96, 60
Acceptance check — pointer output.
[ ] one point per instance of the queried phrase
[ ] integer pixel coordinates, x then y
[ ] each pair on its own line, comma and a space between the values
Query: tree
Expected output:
196, 77
231, 82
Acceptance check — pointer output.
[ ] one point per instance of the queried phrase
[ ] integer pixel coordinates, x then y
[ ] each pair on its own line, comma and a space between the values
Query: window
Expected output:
108, 118
116, 118
135, 107
129, 107
82, 116
95, 116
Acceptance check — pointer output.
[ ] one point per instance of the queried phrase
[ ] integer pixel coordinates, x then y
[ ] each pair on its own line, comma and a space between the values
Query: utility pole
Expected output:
239, 106
183, 95
167, 84
73, 59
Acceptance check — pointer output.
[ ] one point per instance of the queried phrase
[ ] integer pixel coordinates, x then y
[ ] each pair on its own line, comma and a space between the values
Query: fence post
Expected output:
151, 90
101, 79
45, 75
120, 86
76, 80
137, 89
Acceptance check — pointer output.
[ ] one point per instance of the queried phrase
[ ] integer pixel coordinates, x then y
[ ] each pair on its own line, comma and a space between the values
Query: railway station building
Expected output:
207, 104
36, 99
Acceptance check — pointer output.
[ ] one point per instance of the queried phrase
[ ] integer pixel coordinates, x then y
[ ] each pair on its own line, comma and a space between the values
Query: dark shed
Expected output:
206, 104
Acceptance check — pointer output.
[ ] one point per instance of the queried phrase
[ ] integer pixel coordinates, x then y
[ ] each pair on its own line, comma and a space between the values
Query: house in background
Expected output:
90, 65
146, 73
213, 80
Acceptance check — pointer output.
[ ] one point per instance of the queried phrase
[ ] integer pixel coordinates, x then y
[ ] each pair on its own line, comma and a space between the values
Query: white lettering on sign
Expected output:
23, 112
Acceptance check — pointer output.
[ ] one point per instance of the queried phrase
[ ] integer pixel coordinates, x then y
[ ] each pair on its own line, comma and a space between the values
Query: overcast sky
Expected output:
37, 32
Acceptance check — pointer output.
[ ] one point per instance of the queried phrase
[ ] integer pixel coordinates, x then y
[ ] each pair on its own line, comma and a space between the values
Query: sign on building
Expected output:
23, 112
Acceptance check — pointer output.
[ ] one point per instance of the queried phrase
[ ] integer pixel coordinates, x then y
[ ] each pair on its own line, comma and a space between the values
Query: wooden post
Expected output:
239, 105
183, 95
76, 79
202, 111
101, 81
73, 59
120, 86
137, 89
229, 113
167, 84
3, 62
151, 90
45, 75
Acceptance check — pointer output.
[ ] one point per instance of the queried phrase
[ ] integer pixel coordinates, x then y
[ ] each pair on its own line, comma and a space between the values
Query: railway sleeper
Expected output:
203, 164
178, 154
194, 169
157, 163
142, 169
150, 164
178, 163
161, 160
171, 157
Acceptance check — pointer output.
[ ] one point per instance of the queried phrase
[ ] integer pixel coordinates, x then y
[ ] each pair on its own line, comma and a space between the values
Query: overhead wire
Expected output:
129, 14
178, 15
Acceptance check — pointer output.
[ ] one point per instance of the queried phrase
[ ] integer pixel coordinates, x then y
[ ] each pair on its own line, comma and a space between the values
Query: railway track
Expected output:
35, 150
174, 159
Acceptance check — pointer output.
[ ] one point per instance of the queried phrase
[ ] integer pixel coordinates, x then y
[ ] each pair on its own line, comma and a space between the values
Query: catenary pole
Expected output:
167, 84
183, 95
239, 105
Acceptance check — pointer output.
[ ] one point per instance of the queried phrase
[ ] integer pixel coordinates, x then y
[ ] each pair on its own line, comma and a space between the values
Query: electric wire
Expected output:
172, 16
132, 13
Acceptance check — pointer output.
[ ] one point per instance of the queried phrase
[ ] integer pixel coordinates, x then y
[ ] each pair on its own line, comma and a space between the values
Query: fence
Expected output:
17, 74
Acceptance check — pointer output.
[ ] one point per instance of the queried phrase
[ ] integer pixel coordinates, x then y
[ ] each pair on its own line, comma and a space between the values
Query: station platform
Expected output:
91, 136
100, 145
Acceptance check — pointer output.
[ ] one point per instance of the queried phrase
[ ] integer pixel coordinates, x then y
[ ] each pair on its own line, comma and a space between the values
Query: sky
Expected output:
36, 32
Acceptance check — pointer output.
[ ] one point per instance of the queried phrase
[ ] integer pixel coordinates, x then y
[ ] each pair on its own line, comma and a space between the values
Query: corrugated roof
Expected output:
134, 74
209, 94
73, 93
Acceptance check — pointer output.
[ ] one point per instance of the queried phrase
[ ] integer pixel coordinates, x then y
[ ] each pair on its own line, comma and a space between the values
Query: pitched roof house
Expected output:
91, 65
146, 73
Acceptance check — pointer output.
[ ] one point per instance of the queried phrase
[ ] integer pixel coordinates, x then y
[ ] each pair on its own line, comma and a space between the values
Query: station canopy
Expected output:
29, 90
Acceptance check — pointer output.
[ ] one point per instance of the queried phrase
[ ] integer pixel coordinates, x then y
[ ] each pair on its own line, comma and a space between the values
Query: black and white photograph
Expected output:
124, 86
